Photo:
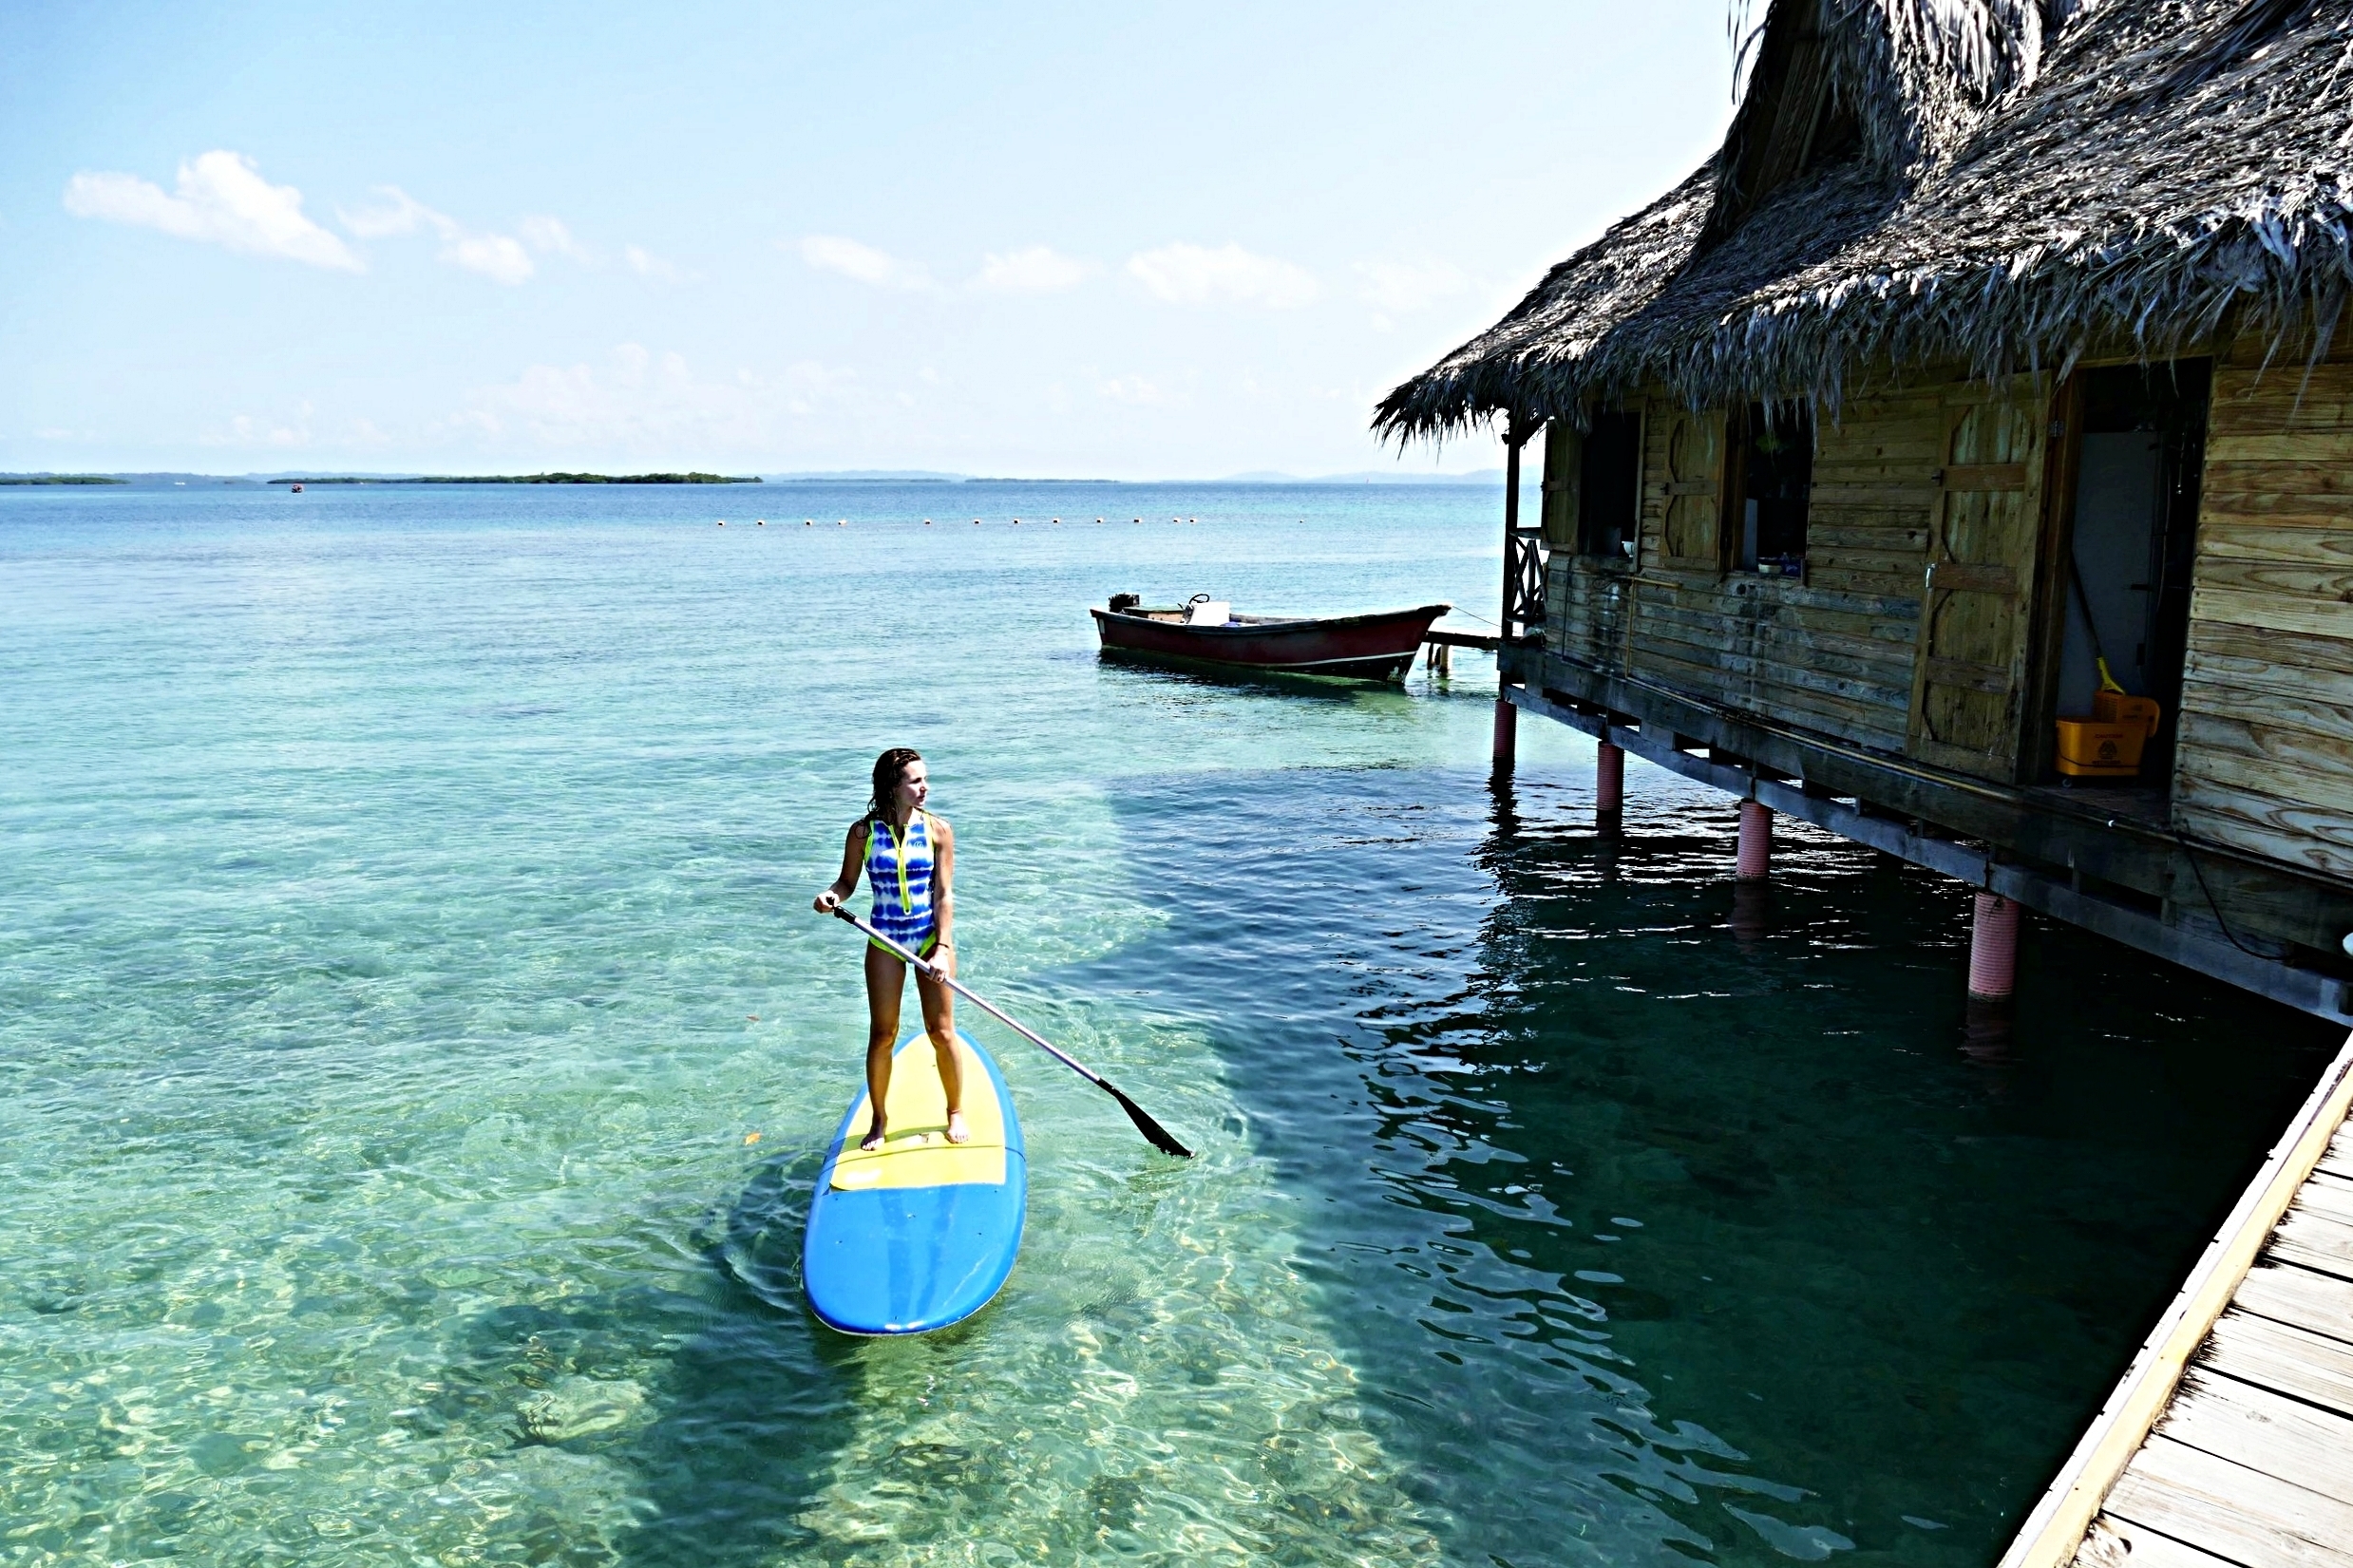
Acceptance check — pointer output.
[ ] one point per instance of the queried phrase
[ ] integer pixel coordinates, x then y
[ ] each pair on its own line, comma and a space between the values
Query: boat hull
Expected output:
1378, 646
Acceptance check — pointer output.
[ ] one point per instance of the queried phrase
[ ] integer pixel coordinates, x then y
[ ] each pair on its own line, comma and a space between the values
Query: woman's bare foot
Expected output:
873, 1139
957, 1132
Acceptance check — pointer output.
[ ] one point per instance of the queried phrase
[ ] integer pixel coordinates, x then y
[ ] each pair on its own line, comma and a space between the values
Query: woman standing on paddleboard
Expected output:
909, 856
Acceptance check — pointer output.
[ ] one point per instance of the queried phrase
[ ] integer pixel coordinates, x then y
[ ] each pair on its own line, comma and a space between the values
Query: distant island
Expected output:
60, 478
535, 479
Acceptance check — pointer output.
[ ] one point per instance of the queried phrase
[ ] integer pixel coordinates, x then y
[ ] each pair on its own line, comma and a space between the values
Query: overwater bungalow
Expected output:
1961, 458
2000, 337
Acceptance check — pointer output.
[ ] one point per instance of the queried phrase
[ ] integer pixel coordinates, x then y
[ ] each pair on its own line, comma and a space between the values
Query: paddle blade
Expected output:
1157, 1135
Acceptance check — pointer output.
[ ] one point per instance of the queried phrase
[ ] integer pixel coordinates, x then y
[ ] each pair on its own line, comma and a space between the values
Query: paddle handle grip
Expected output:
981, 1002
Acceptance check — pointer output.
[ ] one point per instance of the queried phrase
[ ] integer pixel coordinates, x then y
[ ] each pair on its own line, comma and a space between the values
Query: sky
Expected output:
1135, 241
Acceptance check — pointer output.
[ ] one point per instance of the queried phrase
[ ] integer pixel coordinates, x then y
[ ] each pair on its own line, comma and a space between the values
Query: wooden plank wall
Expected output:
1833, 653
1586, 610
2266, 758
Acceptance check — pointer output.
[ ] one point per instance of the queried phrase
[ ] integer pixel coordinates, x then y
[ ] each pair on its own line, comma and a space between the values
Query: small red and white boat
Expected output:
1378, 647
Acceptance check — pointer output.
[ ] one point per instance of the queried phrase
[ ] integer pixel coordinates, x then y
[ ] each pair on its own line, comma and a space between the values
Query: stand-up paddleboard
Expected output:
921, 1232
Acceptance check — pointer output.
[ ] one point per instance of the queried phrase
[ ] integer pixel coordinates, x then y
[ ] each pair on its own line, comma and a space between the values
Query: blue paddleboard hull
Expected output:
908, 1259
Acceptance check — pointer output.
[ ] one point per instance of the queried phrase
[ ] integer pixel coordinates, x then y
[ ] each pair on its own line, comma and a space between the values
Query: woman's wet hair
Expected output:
886, 771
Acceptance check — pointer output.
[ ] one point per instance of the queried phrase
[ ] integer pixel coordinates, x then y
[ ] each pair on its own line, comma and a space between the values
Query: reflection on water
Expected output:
415, 1053
1679, 1215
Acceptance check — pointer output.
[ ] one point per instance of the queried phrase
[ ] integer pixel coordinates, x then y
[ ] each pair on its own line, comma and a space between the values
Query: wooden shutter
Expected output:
1969, 673
1695, 451
1564, 448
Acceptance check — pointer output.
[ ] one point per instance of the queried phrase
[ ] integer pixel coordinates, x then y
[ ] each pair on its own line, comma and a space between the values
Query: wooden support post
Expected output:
1993, 949
1610, 780
1507, 716
1755, 846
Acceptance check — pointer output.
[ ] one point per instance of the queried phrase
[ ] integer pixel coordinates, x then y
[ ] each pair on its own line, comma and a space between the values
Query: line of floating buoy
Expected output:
811, 523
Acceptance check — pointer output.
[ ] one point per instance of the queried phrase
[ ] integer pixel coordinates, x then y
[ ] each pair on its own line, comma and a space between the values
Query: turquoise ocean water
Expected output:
404, 931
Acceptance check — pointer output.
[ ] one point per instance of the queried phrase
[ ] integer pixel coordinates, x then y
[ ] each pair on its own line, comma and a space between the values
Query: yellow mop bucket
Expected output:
2108, 745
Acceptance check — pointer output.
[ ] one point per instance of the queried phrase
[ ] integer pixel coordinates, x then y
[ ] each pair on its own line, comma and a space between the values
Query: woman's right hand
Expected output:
828, 901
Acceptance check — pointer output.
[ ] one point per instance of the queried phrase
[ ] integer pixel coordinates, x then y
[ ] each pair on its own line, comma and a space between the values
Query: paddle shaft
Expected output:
962, 990
1159, 1135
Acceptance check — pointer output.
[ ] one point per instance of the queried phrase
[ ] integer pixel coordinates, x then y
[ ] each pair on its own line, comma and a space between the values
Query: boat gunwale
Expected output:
1263, 624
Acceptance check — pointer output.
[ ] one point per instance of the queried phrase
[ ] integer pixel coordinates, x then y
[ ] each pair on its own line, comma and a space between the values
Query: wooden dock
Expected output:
2230, 1438
1438, 648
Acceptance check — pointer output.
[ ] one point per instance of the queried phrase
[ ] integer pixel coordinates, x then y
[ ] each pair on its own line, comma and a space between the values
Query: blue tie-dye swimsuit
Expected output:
901, 872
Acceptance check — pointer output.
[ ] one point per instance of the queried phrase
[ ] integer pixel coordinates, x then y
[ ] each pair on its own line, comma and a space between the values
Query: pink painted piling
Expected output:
1756, 861
1993, 948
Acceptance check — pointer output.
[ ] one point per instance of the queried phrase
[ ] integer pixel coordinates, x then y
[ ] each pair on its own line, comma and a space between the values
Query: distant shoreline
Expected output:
60, 479
535, 479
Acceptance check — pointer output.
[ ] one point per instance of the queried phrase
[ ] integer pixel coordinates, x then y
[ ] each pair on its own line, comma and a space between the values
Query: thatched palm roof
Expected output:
2025, 181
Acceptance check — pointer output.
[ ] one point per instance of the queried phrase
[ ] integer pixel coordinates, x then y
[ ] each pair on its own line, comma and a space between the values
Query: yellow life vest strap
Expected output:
899, 855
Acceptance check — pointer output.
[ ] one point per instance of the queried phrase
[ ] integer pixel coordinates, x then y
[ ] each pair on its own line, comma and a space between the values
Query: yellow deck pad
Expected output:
915, 1151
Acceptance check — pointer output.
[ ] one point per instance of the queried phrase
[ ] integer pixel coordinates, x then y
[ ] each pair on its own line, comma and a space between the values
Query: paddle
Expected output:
1158, 1135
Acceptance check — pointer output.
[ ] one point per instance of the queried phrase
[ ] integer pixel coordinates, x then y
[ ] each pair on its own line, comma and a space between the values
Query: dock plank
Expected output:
2316, 1303
2118, 1542
2229, 1510
2316, 1241
2328, 1195
2285, 1359
2339, 1160
2266, 1433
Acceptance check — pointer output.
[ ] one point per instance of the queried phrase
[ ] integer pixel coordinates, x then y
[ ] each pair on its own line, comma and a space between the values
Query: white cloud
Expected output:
499, 257
401, 214
1196, 274
862, 263
223, 200
550, 237
1037, 269
263, 430
645, 264
1134, 389
642, 403
1403, 286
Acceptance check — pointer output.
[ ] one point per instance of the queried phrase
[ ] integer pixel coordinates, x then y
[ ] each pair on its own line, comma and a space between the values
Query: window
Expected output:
1609, 484
1776, 450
